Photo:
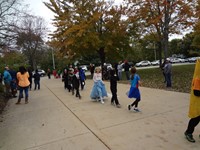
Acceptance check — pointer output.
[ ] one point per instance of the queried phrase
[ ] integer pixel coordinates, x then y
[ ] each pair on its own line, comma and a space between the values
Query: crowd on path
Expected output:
74, 78
21, 81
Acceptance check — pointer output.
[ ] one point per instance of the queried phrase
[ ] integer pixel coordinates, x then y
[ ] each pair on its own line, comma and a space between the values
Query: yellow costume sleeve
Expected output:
194, 109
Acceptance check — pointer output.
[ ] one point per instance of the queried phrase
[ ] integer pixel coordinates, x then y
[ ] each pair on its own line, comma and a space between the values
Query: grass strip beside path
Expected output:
153, 77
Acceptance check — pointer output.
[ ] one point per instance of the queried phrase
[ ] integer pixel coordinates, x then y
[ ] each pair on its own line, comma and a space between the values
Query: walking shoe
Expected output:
118, 106
129, 107
112, 103
189, 137
102, 102
136, 110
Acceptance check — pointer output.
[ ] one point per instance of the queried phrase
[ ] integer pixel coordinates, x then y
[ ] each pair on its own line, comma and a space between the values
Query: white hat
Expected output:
167, 59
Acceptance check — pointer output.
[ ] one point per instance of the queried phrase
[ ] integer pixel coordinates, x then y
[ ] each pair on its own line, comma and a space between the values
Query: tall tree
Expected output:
163, 17
10, 11
88, 26
30, 38
196, 41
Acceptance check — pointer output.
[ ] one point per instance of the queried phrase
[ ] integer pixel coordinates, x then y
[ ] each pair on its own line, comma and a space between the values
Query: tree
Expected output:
175, 47
163, 17
9, 15
87, 27
30, 39
196, 40
186, 45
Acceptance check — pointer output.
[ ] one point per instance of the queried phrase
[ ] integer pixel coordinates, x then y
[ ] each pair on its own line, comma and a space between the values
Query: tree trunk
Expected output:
102, 56
160, 51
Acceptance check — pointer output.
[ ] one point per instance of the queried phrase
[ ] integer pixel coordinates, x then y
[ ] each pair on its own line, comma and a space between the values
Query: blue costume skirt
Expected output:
133, 93
98, 90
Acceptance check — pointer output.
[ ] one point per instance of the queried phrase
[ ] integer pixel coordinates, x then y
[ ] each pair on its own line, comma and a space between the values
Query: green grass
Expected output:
181, 78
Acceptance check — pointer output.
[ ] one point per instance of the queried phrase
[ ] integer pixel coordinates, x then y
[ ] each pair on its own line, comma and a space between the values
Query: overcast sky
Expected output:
39, 9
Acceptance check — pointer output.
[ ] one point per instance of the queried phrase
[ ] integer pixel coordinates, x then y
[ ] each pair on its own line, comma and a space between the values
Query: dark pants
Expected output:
25, 89
135, 102
168, 79
114, 97
65, 83
77, 93
192, 124
127, 75
49, 75
30, 86
37, 84
82, 84
8, 90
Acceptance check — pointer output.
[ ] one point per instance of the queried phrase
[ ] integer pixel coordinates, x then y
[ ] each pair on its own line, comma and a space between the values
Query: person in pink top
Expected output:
23, 83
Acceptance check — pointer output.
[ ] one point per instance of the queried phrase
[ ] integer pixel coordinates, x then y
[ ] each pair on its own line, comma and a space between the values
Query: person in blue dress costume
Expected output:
98, 91
134, 90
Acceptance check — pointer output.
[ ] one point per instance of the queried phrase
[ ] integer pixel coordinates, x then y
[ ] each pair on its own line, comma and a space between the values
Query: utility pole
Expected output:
154, 46
53, 59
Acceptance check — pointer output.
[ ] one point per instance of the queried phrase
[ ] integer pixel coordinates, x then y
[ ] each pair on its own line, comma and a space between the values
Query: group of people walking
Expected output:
73, 78
21, 81
98, 91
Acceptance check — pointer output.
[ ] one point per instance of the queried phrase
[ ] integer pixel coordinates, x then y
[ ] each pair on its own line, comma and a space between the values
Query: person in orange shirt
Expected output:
23, 83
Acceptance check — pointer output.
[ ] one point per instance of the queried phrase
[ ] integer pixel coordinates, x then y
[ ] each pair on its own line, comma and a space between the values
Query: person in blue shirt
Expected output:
13, 83
7, 81
134, 90
82, 77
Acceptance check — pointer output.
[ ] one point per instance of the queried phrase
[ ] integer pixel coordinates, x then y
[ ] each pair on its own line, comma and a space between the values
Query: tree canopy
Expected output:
89, 26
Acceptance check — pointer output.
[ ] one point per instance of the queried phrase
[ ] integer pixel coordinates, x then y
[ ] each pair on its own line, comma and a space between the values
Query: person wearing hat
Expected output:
168, 73
7, 81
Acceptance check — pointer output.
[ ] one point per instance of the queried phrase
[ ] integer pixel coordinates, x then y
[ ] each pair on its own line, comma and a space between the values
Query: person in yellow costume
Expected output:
194, 109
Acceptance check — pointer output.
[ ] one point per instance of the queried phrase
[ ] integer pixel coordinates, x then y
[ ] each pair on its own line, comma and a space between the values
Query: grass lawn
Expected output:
181, 78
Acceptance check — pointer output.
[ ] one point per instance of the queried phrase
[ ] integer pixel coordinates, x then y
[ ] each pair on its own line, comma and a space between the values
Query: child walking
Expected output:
134, 90
76, 83
113, 87
98, 90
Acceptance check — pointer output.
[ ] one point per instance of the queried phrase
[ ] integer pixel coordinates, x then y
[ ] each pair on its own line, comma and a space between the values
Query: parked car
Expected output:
175, 60
155, 62
143, 63
192, 59
41, 72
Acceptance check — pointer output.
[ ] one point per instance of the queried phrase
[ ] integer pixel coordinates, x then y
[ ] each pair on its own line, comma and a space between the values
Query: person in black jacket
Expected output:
76, 83
30, 77
36, 77
126, 69
113, 87
65, 78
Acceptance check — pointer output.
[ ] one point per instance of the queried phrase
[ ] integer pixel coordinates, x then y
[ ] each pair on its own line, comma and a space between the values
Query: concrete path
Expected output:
55, 120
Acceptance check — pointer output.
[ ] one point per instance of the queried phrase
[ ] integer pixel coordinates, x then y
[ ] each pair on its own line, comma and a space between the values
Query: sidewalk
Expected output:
55, 120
